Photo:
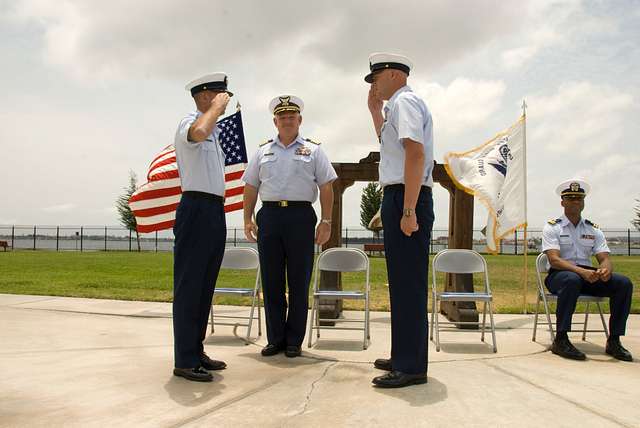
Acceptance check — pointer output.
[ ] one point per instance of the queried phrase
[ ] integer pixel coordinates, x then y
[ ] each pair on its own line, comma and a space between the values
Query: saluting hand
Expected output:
323, 233
251, 231
408, 225
375, 103
220, 102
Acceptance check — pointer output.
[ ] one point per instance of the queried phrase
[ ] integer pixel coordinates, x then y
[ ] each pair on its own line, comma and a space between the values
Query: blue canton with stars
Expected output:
232, 139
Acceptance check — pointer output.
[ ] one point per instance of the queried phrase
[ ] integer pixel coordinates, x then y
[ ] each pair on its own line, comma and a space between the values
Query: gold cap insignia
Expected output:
285, 100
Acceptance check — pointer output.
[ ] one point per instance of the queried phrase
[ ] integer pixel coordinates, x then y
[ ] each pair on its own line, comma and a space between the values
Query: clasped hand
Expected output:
591, 276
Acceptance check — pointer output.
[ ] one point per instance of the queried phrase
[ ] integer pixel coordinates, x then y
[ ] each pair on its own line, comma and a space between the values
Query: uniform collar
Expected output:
298, 139
565, 221
397, 93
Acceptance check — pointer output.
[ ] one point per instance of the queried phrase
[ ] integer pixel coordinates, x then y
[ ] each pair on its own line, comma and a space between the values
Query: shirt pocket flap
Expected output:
268, 158
565, 240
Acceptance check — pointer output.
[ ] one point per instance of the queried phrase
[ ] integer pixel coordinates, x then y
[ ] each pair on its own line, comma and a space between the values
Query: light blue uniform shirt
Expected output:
289, 173
406, 116
576, 243
201, 165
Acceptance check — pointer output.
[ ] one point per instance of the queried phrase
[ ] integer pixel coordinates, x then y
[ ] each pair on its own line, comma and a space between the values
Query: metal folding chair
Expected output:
541, 268
241, 258
461, 261
340, 260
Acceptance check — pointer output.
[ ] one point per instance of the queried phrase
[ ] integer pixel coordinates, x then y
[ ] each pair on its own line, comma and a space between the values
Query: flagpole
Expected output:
526, 240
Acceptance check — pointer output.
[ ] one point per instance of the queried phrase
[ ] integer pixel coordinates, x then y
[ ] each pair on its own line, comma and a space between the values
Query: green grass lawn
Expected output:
148, 276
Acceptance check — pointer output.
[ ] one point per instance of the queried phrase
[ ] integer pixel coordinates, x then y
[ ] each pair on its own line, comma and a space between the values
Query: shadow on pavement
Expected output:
426, 394
193, 394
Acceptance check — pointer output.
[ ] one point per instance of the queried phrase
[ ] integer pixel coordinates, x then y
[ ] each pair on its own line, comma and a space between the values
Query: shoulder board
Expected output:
590, 223
311, 141
266, 142
554, 221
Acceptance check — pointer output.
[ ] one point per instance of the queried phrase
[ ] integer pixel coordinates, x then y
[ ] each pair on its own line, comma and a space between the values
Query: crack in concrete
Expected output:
106, 314
91, 349
11, 305
608, 417
313, 386
240, 397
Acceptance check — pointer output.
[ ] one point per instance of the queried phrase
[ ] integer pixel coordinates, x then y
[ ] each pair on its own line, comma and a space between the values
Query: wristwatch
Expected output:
408, 212
326, 220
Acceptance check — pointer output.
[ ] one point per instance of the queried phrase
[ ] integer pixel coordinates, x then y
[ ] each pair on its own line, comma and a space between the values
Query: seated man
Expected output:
569, 243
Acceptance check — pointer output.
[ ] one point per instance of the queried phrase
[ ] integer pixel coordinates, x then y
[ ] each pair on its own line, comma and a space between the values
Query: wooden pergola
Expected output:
460, 233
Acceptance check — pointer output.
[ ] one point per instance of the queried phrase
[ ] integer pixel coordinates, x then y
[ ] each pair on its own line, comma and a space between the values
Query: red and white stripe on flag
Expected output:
154, 203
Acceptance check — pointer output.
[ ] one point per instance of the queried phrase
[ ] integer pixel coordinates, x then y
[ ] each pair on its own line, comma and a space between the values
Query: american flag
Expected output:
154, 203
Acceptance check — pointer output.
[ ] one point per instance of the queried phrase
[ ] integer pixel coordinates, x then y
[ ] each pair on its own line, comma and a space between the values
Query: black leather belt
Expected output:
283, 204
203, 195
400, 186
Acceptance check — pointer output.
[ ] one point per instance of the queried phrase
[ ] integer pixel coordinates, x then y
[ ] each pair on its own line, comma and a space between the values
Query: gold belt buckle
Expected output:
283, 203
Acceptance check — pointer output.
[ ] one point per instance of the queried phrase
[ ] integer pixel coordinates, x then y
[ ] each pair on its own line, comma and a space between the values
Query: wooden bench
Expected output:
370, 248
4, 244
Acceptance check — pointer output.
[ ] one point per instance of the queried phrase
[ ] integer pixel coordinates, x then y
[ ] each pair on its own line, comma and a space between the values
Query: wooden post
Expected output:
333, 280
460, 236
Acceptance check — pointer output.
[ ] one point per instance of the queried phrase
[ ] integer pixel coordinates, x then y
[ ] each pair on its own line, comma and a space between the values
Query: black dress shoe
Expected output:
271, 350
396, 379
617, 351
210, 364
198, 374
563, 347
383, 364
293, 351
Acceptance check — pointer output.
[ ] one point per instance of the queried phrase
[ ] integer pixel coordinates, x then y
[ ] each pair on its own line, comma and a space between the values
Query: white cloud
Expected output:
463, 104
95, 40
515, 58
554, 24
581, 118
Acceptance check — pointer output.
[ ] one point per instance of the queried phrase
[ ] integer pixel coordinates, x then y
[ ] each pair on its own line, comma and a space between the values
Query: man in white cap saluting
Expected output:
200, 229
405, 132
287, 172
569, 242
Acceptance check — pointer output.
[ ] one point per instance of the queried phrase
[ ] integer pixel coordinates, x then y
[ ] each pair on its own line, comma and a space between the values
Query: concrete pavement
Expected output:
89, 362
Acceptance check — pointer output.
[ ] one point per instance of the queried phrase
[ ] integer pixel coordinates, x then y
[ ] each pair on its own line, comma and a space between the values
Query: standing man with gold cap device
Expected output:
287, 173
200, 229
569, 242
405, 132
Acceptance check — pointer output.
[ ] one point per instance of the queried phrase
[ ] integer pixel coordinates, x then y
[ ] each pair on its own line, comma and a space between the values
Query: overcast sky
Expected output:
93, 89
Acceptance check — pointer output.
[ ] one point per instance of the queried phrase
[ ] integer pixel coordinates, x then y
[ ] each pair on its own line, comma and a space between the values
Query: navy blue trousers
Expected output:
569, 285
200, 233
285, 242
407, 268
